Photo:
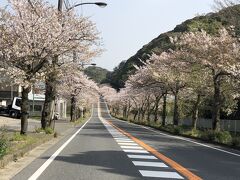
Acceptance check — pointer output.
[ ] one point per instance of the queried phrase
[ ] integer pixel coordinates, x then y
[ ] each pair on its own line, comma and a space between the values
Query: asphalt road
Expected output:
109, 149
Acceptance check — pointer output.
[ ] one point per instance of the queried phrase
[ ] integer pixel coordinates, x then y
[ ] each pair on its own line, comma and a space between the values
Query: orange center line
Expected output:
185, 172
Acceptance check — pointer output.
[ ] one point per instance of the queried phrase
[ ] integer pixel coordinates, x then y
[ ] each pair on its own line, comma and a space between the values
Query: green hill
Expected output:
98, 74
210, 23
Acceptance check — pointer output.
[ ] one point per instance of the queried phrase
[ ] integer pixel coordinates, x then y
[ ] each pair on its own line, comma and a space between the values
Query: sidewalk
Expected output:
62, 127
11, 124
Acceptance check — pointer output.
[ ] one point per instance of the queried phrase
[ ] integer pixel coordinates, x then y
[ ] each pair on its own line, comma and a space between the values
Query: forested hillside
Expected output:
210, 23
98, 74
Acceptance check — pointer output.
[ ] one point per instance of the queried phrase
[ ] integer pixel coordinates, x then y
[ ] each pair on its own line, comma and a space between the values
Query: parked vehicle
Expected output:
13, 110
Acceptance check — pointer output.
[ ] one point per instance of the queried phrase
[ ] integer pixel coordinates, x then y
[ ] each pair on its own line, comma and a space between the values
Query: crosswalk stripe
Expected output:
149, 164
125, 141
122, 139
131, 147
135, 151
141, 156
161, 174
127, 144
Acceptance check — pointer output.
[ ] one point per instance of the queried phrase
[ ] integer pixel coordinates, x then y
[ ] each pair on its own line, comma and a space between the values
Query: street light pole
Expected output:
60, 9
100, 4
60, 5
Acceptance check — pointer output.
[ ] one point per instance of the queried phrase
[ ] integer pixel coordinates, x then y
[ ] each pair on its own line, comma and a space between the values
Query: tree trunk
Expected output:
164, 112
49, 104
195, 112
24, 109
135, 115
216, 105
156, 109
50, 97
128, 111
124, 112
176, 113
73, 108
139, 115
143, 115
148, 114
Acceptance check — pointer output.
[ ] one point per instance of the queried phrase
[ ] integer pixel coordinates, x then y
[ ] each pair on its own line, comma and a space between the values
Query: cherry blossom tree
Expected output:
31, 39
77, 87
218, 57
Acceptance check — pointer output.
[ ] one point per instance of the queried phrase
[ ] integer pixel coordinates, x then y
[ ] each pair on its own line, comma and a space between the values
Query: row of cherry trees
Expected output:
36, 43
200, 68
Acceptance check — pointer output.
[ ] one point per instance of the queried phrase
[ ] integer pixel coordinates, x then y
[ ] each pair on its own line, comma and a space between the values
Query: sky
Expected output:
127, 25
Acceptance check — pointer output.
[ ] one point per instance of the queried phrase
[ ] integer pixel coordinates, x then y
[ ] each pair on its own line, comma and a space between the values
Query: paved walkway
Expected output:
12, 124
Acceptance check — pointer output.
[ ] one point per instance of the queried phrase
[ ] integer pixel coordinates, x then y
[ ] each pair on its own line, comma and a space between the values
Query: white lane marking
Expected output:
107, 109
124, 141
50, 160
127, 144
141, 156
161, 174
119, 136
149, 164
131, 147
135, 151
181, 138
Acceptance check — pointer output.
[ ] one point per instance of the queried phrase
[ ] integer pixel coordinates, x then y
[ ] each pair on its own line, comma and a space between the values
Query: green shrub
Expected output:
236, 141
223, 137
18, 137
49, 130
3, 146
39, 130
193, 133
177, 130
55, 135
208, 135
220, 137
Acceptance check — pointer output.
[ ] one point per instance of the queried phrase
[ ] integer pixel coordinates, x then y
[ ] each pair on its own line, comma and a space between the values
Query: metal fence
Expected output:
227, 125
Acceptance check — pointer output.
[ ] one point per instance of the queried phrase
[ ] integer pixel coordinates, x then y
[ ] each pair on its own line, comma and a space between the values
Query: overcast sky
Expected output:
127, 25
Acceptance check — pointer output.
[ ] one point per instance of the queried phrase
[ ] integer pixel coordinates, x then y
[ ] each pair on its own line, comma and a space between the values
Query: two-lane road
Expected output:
106, 148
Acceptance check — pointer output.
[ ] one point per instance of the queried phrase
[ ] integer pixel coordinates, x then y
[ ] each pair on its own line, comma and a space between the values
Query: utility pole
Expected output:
60, 5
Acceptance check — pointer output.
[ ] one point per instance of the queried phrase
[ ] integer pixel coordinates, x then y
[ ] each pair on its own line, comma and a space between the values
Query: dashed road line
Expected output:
149, 164
161, 174
141, 156
127, 144
131, 147
135, 151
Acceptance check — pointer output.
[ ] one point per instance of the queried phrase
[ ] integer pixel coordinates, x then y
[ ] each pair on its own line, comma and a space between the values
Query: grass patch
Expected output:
47, 130
38, 118
3, 146
81, 119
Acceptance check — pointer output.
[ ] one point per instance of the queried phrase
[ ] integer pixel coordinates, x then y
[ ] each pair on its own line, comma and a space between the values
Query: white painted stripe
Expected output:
127, 144
119, 136
141, 157
131, 147
135, 151
149, 164
115, 132
50, 160
161, 174
122, 139
125, 141
182, 138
